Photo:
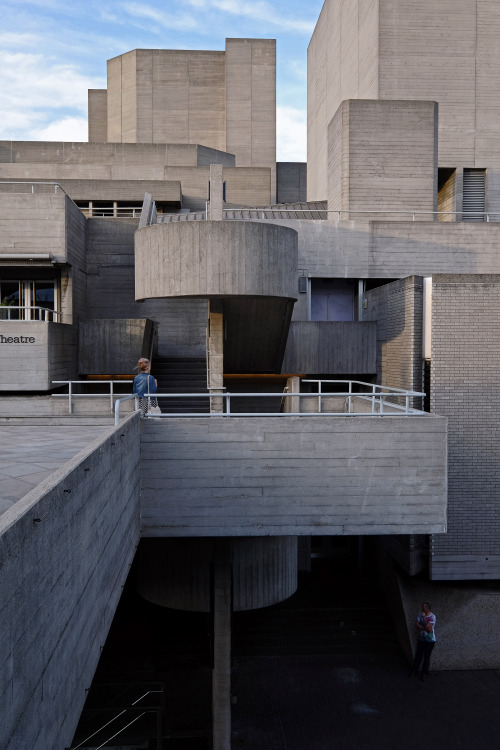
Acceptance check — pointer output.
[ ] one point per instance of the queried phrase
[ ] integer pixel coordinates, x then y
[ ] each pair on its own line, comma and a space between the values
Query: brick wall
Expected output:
465, 387
398, 309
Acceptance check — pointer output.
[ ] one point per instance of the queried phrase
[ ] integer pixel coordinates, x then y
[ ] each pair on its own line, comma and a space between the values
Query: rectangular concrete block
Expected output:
258, 476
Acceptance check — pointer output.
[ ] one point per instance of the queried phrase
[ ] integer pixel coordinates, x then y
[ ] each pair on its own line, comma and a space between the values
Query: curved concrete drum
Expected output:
215, 259
176, 573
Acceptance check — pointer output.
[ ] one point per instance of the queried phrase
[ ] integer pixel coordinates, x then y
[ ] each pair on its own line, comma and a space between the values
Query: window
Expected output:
332, 299
28, 299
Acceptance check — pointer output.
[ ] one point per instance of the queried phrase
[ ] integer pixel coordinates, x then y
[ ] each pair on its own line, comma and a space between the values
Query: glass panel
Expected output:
340, 307
44, 294
319, 306
9, 296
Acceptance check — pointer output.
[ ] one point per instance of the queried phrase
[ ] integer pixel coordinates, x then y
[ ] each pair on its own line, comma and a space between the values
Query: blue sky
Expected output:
52, 51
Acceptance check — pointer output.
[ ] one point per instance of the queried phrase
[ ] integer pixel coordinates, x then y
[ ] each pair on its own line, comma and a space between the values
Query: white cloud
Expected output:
262, 12
182, 22
67, 129
36, 91
291, 134
16, 40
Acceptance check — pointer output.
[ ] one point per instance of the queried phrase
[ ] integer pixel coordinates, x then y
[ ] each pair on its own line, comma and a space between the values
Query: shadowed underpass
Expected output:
320, 671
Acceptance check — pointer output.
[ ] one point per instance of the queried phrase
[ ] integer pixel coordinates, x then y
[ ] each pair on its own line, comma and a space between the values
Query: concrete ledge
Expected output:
65, 552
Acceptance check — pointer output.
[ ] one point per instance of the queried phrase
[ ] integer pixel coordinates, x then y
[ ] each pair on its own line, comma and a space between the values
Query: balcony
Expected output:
372, 464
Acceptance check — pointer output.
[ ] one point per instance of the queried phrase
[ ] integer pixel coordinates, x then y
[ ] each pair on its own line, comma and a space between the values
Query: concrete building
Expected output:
293, 342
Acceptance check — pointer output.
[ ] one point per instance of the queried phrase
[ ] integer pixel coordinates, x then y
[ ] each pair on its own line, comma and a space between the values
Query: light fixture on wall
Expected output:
303, 284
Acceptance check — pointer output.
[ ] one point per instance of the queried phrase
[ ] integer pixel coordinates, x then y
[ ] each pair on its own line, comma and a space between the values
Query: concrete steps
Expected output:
181, 375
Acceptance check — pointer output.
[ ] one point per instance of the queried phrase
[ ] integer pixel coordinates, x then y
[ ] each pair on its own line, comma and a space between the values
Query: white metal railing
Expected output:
120, 401
70, 395
379, 396
34, 183
356, 399
111, 212
376, 400
261, 213
29, 313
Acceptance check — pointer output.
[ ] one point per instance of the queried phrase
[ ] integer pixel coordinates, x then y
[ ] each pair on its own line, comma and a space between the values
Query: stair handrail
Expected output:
149, 692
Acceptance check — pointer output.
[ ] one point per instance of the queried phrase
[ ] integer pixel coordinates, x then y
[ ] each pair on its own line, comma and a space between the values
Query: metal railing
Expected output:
145, 710
262, 213
29, 313
380, 397
34, 183
376, 400
121, 400
111, 212
70, 395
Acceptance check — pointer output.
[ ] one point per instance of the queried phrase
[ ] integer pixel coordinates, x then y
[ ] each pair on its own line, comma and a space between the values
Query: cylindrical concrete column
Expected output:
176, 572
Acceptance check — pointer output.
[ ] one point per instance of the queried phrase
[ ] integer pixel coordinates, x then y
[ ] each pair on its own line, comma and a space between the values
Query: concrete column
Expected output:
216, 202
215, 353
292, 402
221, 674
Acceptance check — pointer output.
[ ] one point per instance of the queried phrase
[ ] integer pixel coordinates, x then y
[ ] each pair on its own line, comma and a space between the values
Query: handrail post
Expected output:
111, 394
319, 397
70, 402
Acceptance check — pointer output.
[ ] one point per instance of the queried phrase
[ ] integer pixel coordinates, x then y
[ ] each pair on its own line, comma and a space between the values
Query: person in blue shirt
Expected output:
144, 384
426, 622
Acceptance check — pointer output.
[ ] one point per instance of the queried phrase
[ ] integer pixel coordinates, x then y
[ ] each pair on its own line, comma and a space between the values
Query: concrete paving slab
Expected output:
30, 453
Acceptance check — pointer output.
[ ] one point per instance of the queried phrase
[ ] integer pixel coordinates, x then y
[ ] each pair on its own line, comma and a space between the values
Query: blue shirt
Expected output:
424, 620
140, 386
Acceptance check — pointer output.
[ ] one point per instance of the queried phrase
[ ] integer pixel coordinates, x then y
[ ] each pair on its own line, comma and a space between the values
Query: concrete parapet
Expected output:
331, 347
260, 476
215, 259
47, 352
65, 552
113, 346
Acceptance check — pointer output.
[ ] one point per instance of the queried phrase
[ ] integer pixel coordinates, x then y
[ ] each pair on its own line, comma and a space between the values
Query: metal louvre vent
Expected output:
473, 201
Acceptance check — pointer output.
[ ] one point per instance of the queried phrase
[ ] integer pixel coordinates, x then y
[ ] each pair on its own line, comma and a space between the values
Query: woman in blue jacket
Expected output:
144, 384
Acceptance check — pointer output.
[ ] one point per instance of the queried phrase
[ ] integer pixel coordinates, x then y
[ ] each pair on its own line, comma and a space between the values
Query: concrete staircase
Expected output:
181, 375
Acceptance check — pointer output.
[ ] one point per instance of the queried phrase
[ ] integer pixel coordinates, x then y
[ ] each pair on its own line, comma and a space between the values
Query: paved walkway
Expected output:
361, 703
29, 454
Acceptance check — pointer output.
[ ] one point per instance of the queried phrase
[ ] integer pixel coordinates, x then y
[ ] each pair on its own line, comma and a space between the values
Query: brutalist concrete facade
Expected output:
379, 287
